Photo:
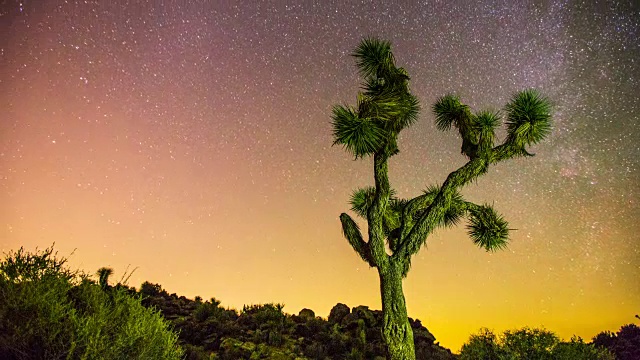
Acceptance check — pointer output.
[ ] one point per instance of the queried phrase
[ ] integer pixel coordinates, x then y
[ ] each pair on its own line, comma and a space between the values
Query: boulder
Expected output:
307, 314
338, 312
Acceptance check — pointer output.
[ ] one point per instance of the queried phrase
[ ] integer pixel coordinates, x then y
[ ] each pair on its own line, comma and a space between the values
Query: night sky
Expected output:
193, 143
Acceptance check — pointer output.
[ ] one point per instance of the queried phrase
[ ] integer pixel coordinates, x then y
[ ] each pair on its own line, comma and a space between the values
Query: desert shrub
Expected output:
265, 313
48, 311
605, 339
528, 344
206, 310
212, 311
577, 349
625, 344
264, 317
148, 289
483, 345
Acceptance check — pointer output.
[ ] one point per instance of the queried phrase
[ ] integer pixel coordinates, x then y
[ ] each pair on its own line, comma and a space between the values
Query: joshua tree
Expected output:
398, 227
103, 276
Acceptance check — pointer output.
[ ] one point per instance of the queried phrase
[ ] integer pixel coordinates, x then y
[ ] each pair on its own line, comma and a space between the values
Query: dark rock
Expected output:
421, 333
338, 312
307, 314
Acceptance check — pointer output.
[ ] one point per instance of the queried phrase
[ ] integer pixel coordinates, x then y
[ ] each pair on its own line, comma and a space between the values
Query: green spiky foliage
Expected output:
528, 119
385, 107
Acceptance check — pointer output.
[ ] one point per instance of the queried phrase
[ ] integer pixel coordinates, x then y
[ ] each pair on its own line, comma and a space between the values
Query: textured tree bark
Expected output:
396, 329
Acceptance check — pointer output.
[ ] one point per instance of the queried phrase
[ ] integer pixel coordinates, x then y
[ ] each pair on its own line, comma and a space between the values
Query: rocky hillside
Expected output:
209, 331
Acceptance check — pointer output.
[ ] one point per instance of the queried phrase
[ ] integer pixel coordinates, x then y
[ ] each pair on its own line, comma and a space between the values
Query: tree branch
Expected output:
412, 237
351, 231
507, 151
435, 212
413, 206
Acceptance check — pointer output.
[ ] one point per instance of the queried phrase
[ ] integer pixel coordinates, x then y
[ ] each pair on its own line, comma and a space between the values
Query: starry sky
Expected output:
192, 142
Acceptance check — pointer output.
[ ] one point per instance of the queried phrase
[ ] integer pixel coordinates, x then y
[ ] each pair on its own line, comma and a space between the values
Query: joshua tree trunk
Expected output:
396, 329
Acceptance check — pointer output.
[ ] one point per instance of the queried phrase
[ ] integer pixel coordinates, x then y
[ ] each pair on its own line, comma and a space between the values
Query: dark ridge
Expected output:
266, 332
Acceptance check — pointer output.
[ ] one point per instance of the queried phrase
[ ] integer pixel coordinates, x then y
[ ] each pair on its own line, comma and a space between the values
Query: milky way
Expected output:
193, 142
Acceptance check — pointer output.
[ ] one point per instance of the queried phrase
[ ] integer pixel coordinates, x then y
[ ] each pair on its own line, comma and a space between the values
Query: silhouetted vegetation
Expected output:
266, 332
207, 329
625, 344
48, 311
384, 108
529, 344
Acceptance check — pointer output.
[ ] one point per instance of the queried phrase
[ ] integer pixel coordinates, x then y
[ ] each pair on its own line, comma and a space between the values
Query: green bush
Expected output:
207, 309
263, 317
577, 349
529, 344
48, 311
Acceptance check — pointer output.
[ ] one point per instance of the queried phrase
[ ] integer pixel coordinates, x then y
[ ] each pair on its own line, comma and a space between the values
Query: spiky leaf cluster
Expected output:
485, 124
488, 229
384, 107
528, 118
360, 136
362, 199
450, 111
374, 58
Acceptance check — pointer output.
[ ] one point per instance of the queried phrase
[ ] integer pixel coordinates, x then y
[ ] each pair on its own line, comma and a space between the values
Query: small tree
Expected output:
384, 108
104, 273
